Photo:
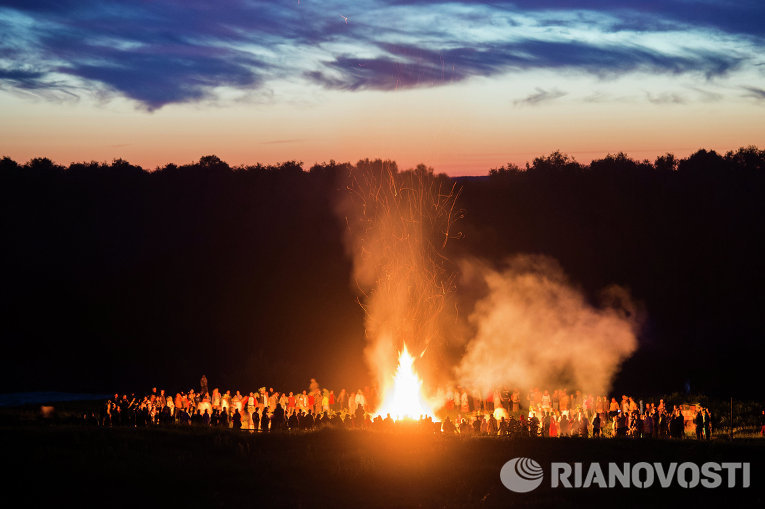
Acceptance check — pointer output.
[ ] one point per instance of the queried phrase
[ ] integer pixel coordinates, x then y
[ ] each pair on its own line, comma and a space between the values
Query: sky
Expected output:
460, 86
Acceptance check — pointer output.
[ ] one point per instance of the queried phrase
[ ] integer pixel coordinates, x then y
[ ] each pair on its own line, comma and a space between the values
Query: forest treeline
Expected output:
115, 277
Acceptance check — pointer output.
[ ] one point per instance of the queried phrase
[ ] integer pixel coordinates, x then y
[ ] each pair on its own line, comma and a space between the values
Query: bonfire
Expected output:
404, 399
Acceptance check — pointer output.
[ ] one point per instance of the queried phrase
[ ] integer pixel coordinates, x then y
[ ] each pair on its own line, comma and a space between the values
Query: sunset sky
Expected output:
460, 86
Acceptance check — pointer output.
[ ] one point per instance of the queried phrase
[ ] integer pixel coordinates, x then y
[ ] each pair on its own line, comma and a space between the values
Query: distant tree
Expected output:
289, 167
8, 164
377, 165
122, 167
252, 168
42, 166
666, 163
510, 169
331, 172
422, 170
614, 162
214, 163
749, 159
702, 163
85, 169
169, 168
556, 162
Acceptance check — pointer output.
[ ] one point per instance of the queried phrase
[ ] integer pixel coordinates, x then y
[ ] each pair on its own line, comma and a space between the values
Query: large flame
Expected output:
404, 399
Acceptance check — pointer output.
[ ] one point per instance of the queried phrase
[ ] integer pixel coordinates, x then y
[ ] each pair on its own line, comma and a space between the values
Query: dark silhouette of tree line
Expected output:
115, 277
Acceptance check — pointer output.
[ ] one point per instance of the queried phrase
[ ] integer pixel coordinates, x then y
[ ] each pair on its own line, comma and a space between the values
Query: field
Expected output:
70, 464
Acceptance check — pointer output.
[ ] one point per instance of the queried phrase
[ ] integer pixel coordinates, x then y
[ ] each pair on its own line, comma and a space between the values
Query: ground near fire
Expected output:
217, 468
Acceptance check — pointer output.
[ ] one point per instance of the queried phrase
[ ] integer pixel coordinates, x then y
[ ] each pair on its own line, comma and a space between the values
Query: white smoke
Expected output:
529, 327
398, 223
533, 329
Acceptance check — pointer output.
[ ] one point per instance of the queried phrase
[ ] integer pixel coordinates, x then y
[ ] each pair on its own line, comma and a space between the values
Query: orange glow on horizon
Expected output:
465, 129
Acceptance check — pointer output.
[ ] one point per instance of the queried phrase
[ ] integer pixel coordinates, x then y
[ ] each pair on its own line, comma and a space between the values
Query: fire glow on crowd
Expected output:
501, 412
529, 328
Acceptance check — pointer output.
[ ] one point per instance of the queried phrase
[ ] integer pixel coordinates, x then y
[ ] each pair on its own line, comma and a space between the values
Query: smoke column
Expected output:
529, 327
533, 329
398, 224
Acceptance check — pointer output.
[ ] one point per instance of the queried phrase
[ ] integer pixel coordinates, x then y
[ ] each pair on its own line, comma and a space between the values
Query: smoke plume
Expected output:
533, 329
529, 327
398, 224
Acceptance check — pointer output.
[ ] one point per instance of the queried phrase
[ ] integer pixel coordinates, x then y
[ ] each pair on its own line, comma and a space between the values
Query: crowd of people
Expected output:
502, 412
562, 413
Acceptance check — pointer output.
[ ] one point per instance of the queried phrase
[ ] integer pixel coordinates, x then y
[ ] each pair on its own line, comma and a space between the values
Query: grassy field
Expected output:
189, 467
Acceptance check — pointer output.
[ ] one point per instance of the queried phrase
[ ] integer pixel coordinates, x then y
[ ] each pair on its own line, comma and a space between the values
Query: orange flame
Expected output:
404, 399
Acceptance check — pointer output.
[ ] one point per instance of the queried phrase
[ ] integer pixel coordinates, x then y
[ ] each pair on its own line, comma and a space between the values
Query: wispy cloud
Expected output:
36, 84
666, 98
177, 75
706, 95
755, 92
540, 96
175, 51
29, 80
403, 66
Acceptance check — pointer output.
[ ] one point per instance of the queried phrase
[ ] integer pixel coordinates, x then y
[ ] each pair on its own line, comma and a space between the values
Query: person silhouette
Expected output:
277, 419
203, 385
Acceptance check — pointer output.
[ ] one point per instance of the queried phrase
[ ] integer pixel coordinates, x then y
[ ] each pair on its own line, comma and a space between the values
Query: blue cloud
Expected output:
408, 66
156, 80
20, 78
731, 16
174, 51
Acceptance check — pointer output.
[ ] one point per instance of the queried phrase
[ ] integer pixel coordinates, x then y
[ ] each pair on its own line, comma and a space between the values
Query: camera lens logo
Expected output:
521, 475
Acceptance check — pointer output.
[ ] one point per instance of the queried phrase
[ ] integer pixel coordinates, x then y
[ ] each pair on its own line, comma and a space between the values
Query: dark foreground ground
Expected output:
57, 465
